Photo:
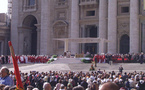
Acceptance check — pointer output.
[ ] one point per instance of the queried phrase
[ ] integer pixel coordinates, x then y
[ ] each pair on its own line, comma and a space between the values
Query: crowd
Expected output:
101, 58
56, 80
118, 58
4, 59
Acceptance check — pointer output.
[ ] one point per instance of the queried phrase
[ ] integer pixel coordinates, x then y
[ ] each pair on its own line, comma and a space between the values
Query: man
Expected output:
5, 78
78, 88
141, 58
95, 59
120, 69
46, 86
84, 83
109, 86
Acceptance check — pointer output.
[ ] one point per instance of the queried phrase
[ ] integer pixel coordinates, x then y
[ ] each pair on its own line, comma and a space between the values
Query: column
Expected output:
14, 25
38, 38
21, 41
45, 28
101, 45
75, 25
134, 26
112, 26
102, 22
65, 45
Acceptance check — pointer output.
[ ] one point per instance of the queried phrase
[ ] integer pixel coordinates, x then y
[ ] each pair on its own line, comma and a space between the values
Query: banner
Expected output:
16, 69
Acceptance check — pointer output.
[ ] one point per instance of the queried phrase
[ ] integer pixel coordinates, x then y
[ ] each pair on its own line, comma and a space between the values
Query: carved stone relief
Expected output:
123, 26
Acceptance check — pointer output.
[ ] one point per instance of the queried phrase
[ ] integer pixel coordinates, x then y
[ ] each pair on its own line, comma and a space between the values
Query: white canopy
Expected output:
83, 40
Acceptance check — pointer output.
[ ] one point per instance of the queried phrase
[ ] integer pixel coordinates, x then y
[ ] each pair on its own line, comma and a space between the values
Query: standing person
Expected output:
6, 57
110, 59
96, 57
109, 86
122, 56
141, 58
3, 59
120, 69
5, 78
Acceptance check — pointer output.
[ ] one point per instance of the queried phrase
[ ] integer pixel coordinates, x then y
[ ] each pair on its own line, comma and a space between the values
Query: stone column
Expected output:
38, 38
134, 26
75, 25
102, 22
21, 41
45, 28
112, 26
14, 25
66, 45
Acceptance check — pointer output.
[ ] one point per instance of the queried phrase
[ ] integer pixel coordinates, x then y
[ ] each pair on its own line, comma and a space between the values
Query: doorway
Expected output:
124, 44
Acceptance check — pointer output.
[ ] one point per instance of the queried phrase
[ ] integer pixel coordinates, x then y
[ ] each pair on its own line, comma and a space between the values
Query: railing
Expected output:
87, 2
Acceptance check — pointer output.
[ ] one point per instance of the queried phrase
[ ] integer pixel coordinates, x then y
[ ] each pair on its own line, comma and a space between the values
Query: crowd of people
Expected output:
56, 80
4, 59
118, 58
101, 58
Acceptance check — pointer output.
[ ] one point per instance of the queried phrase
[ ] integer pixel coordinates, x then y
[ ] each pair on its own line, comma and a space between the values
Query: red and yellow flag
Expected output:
16, 69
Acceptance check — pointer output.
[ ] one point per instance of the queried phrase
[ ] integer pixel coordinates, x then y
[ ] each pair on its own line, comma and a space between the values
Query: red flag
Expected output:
16, 69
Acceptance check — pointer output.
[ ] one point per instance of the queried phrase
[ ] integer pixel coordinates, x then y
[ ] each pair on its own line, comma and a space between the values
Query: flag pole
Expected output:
16, 68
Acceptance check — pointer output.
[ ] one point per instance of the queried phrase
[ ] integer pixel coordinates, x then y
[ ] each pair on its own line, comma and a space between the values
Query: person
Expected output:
2, 86
5, 78
141, 58
78, 88
84, 83
120, 69
109, 86
95, 60
46, 86
6, 57
110, 59
30, 87
3, 59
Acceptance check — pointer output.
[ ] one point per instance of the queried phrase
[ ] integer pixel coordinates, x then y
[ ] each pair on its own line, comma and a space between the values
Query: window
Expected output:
61, 0
90, 13
31, 2
124, 9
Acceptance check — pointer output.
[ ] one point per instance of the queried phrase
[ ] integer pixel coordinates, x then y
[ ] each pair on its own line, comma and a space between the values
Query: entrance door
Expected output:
91, 47
31, 36
124, 44
91, 31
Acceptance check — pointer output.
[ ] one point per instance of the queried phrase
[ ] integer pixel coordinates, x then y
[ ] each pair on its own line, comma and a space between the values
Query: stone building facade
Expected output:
4, 34
35, 24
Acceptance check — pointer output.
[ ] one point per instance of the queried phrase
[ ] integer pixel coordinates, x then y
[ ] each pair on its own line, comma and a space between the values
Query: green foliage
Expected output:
86, 61
54, 56
51, 60
83, 60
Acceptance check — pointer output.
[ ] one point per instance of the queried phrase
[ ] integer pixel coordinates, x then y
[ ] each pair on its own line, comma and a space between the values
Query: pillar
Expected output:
102, 22
38, 38
45, 40
75, 25
14, 25
112, 26
134, 26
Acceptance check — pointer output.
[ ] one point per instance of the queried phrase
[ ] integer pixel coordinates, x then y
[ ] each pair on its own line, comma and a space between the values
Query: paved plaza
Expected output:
75, 65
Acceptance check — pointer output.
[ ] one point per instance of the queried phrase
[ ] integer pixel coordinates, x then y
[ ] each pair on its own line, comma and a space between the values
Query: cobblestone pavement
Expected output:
75, 65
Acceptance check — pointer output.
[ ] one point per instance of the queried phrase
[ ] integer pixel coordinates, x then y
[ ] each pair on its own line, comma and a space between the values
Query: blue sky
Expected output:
3, 6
